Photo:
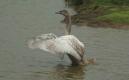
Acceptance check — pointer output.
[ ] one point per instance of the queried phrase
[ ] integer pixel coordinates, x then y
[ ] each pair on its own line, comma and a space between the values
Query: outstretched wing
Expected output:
77, 45
58, 45
78, 48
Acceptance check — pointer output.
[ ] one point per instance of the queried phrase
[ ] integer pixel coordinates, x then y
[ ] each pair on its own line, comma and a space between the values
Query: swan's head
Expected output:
63, 12
36, 41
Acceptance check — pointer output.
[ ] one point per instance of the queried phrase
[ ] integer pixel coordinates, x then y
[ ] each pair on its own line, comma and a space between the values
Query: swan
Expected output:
67, 44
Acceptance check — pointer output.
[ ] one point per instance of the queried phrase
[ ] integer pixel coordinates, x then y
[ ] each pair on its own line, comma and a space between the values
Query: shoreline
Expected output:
93, 16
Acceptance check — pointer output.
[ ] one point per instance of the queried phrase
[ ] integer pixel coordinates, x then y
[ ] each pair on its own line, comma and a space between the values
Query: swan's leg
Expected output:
61, 56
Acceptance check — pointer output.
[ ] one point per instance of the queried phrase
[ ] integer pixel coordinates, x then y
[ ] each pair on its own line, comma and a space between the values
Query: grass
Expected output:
102, 12
112, 13
117, 16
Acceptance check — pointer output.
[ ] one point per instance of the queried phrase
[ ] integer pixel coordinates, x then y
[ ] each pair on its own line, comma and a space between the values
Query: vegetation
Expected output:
112, 12
116, 17
114, 2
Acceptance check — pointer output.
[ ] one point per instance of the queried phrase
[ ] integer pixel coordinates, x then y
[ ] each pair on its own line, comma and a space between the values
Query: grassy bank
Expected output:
121, 17
102, 14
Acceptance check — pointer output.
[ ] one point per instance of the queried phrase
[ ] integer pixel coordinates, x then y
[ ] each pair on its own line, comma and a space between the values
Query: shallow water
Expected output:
22, 19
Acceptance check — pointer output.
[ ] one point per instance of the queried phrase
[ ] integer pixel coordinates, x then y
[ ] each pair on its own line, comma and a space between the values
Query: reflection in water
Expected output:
63, 72
59, 72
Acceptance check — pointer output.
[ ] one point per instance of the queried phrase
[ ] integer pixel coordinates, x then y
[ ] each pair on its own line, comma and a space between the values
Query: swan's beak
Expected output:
58, 12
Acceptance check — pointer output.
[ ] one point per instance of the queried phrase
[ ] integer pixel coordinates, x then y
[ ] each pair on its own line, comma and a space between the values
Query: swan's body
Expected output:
68, 44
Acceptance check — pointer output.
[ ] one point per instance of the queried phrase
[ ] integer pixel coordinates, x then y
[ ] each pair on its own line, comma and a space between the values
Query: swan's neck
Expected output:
68, 24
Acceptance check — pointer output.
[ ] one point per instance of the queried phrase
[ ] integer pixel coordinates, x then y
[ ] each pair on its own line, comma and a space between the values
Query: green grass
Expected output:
116, 17
110, 11
111, 2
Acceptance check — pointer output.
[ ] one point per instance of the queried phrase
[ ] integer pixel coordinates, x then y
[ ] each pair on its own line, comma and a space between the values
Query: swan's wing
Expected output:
74, 46
43, 42
59, 45
78, 46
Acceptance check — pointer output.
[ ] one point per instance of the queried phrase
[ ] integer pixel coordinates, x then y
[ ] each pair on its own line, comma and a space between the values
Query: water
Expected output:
22, 19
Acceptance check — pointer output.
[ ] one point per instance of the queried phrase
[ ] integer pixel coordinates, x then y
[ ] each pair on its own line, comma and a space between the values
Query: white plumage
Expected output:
67, 44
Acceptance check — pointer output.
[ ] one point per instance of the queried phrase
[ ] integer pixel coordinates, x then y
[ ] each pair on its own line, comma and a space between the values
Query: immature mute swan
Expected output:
67, 44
